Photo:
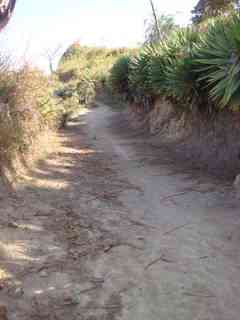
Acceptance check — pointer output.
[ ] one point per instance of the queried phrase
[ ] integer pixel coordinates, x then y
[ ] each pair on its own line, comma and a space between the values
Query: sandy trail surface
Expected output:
109, 228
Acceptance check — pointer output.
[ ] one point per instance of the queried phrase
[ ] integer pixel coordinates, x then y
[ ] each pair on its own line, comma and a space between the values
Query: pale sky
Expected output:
40, 25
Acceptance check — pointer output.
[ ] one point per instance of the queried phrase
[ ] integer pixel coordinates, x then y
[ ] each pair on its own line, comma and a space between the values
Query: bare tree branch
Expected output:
51, 55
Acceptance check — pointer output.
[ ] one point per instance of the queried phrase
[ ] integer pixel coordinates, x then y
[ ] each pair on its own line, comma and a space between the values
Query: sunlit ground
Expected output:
47, 183
4, 275
15, 251
57, 168
83, 111
30, 227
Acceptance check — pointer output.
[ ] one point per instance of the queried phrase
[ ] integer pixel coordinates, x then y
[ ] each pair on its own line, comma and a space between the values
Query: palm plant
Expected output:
218, 60
172, 70
139, 76
189, 68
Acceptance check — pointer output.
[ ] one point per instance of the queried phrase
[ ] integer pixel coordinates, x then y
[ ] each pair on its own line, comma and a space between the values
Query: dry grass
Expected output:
28, 117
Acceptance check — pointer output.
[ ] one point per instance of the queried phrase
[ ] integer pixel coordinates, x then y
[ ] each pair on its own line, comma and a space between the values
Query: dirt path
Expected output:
108, 229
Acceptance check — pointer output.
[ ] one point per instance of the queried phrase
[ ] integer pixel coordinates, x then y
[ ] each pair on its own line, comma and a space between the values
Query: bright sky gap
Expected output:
41, 25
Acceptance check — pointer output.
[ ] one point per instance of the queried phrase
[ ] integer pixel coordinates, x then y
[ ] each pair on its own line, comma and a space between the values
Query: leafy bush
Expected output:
119, 75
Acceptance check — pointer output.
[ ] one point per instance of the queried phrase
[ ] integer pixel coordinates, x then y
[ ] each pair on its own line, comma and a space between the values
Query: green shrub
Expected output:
119, 76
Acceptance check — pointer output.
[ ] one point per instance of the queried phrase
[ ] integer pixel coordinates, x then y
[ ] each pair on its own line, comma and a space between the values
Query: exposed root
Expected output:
139, 223
162, 258
175, 229
135, 222
190, 294
120, 244
174, 195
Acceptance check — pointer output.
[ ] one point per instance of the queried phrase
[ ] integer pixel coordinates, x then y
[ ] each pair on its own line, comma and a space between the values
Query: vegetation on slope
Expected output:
84, 72
190, 68
28, 108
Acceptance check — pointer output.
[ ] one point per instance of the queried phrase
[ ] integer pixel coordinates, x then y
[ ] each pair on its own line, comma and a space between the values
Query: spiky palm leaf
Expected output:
172, 71
218, 59
139, 71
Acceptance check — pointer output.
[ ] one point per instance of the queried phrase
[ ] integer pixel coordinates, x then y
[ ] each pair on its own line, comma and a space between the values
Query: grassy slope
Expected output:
84, 72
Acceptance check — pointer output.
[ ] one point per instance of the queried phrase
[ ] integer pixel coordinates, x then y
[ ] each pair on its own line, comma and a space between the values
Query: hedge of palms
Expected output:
191, 68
